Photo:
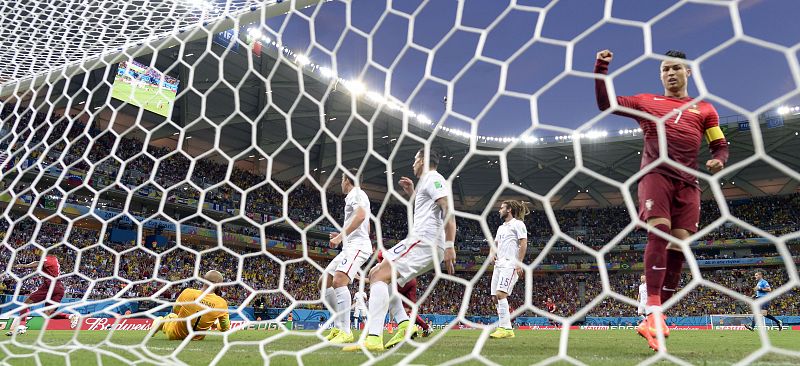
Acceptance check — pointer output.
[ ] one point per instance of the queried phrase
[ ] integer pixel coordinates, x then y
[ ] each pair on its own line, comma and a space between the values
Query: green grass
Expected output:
616, 347
148, 100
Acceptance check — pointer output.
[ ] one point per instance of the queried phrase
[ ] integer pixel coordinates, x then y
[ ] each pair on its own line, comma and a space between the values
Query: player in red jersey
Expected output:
669, 199
52, 269
550, 305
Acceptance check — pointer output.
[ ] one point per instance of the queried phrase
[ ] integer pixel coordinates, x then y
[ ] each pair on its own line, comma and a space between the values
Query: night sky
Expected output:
471, 56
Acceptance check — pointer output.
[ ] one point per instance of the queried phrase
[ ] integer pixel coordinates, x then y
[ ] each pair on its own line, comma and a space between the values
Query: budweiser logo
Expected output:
117, 324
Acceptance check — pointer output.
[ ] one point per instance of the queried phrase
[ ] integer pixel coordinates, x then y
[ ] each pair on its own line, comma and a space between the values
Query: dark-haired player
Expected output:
669, 199
762, 289
431, 231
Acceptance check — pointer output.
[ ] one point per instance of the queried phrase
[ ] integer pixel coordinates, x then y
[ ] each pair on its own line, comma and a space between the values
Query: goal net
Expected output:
146, 143
729, 322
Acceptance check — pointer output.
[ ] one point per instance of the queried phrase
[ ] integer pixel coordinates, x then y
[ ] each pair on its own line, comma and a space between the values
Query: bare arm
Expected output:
33, 264
450, 225
523, 248
408, 187
449, 236
360, 216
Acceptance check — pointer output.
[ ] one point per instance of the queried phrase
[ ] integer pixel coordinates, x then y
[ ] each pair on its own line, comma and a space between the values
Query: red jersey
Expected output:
685, 129
551, 307
51, 266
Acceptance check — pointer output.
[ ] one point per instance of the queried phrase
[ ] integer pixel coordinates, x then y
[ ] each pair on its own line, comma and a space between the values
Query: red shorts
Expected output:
409, 290
670, 198
41, 293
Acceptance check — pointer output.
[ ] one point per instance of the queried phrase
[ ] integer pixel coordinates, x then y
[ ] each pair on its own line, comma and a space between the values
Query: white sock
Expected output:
343, 304
330, 300
503, 314
378, 307
397, 310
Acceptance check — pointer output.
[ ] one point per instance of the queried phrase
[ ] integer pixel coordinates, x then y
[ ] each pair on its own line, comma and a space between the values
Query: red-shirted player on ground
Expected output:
51, 269
669, 199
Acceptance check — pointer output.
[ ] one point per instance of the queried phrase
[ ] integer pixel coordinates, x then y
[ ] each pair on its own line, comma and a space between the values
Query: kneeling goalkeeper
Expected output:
196, 312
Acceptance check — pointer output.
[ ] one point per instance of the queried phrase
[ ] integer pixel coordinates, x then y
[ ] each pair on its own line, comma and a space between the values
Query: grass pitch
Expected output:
614, 347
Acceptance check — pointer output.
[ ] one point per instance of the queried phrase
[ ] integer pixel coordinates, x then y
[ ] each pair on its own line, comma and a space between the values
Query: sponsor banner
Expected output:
34, 323
740, 261
775, 121
631, 327
129, 324
744, 126
227, 39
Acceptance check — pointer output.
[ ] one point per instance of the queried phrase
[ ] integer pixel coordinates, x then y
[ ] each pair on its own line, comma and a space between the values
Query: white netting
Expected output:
241, 170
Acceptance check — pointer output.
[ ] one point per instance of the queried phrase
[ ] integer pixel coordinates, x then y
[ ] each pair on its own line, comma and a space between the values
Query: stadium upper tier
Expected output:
293, 125
186, 191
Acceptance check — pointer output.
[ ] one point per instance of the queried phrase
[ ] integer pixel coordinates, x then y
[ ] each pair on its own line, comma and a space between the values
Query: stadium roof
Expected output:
287, 109
39, 37
273, 109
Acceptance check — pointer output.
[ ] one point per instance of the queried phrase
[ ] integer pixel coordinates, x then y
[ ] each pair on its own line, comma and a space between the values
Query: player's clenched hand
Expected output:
450, 260
605, 55
714, 166
520, 271
407, 184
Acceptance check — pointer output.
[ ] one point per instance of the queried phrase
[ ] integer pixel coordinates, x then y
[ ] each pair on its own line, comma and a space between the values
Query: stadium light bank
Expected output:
358, 88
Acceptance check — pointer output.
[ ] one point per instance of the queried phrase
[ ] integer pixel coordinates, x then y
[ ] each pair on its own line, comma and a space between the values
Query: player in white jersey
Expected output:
512, 242
360, 313
642, 308
356, 250
431, 238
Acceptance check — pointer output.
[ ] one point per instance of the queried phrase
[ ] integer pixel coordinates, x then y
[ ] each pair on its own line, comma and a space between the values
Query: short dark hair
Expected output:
353, 174
675, 54
433, 157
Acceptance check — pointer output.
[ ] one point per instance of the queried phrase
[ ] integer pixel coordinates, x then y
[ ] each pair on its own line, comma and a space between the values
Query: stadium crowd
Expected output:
122, 268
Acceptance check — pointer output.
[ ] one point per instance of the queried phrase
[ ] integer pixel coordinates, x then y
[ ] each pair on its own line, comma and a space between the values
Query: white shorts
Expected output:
349, 261
503, 279
360, 312
411, 258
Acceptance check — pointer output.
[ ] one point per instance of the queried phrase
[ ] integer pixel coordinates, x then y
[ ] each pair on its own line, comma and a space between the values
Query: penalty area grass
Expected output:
610, 347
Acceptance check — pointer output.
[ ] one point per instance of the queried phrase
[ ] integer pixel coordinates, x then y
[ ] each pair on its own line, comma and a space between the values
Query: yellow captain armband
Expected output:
714, 133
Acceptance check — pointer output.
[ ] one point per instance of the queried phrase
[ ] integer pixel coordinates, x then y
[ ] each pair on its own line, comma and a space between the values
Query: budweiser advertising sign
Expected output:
116, 324
122, 324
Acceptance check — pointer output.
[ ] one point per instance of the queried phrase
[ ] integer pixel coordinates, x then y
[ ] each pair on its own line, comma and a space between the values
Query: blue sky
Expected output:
743, 73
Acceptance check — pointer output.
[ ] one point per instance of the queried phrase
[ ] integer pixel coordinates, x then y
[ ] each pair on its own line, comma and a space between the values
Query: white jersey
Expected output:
428, 216
642, 298
507, 240
359, 299
358, 238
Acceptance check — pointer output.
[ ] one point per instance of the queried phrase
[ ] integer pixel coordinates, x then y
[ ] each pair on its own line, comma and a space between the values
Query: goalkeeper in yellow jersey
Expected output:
196, 312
